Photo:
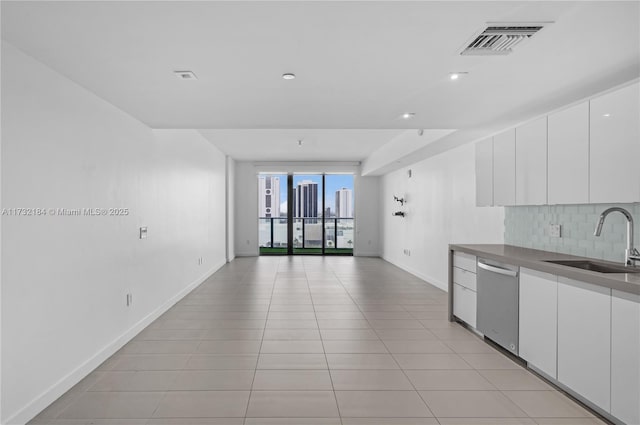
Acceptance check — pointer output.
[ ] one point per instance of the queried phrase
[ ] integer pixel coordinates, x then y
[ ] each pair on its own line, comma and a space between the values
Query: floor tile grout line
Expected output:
326, 359
255, 370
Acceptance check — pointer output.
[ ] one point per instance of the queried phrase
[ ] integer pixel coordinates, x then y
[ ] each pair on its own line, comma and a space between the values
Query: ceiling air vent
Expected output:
500, 39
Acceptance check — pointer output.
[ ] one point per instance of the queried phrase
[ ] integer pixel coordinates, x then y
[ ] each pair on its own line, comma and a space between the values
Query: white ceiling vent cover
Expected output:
500, 39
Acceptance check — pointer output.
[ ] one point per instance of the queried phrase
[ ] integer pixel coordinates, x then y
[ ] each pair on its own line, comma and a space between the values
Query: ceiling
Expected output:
282, 145
359, 65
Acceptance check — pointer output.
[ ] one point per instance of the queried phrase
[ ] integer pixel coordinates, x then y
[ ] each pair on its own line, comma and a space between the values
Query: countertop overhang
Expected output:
536, 260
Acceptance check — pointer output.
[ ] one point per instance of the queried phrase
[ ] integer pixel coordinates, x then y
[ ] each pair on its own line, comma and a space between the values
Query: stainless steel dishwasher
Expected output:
497, 316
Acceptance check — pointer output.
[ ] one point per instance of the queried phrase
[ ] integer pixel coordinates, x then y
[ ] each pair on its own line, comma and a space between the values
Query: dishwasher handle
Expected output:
498, 270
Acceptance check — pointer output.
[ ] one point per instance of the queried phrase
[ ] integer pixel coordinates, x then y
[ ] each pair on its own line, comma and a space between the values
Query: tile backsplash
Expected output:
528, 226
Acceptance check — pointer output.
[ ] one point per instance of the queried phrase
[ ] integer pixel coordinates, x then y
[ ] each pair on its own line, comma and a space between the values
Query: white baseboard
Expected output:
51, 394
429, 279
366, 254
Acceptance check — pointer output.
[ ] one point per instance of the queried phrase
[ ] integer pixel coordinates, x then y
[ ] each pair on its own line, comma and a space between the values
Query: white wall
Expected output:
366, 194
367, 212
246, 210
64, 278
440, 210
230, 200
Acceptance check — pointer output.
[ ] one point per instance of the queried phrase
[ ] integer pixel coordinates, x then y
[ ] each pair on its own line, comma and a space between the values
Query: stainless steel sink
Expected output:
596, 266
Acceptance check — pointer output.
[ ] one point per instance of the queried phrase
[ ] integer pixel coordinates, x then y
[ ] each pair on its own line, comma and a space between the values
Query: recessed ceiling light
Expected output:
185, 75
289, 76
456, 75
606, 115
408, 115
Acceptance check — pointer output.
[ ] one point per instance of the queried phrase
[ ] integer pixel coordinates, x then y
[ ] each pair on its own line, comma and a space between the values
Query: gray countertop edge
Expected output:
535, 259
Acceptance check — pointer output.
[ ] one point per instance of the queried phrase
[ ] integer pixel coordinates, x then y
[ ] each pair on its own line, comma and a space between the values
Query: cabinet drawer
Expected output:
465, 278
464, 261
464, 304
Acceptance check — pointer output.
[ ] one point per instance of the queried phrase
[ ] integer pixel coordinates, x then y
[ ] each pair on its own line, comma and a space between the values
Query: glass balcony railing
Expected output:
272, 235
337, 233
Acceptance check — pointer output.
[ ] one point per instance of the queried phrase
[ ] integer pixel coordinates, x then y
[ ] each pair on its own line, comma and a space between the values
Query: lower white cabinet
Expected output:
464, 304
584, 340
539, 320
625, 357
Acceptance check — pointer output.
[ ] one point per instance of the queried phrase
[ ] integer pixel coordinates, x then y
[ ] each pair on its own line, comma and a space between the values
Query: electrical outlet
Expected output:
555, 230
143, 232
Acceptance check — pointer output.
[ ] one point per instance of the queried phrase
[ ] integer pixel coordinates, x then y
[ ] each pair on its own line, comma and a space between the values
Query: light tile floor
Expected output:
311, 341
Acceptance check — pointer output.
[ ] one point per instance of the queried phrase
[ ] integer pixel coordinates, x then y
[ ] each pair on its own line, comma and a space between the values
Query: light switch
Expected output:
555, 230
143, 232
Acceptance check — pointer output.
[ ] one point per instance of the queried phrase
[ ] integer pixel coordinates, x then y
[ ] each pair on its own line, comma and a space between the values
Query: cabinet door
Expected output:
484, 173
464, 304
504, 168
539, 320
569, 156
625, 357
615, 146
584, 340
531, 163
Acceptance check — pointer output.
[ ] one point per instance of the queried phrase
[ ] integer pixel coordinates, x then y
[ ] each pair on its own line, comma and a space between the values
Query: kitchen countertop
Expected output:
535, 259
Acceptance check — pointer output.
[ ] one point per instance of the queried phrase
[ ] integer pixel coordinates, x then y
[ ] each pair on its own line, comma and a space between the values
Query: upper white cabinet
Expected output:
504, 168
538, 320
484, 173
625, 357
568, 160
587, 153
615, 146
531, 163
584, 340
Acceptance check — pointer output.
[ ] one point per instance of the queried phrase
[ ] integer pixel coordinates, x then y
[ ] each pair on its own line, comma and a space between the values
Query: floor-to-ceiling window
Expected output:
338, 216
272, 214
306, 214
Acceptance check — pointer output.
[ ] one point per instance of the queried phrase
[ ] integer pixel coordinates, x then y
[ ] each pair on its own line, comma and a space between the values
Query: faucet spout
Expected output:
630, 254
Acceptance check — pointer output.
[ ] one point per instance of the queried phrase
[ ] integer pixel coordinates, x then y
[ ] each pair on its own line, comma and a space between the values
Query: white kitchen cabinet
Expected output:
504, 168
615, 146
568, 158
464, 304
464, 287
531, 163
584, 340
465, 278
539, 320
464, 261
484, 173
625, 357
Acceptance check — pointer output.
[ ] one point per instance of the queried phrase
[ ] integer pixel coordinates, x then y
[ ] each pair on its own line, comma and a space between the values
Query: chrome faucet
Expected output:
631, 254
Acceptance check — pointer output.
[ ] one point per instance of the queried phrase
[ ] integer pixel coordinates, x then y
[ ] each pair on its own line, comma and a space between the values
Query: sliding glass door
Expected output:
306, 214
339, 218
